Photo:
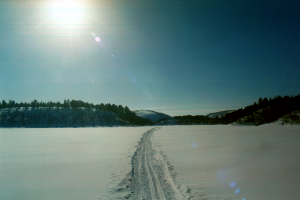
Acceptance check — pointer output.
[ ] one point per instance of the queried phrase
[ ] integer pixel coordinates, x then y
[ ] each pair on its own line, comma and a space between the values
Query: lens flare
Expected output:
97, 39
232, 184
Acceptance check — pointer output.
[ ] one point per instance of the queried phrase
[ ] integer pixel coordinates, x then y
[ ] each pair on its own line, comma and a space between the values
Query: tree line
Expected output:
118, 113
271, 110
66, 104
263, 111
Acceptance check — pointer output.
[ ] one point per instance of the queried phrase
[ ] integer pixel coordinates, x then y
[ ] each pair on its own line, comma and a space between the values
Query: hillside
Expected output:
261, 112
152, 115
75, 116
278, 108
292, 118
77, 113
262, 116
219, 114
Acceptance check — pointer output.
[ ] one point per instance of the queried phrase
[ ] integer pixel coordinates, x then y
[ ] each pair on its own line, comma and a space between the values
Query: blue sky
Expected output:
176, 57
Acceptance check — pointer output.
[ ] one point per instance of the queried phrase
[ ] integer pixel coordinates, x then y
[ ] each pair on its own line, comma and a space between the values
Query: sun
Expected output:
66, 12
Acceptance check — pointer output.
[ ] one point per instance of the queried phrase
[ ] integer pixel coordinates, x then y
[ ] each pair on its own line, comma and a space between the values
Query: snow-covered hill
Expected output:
152, 115
293, 118
219, 114
262, 116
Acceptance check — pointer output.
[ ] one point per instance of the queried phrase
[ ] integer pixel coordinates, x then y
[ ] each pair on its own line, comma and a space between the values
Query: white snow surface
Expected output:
210, 162
234, 162
65, 163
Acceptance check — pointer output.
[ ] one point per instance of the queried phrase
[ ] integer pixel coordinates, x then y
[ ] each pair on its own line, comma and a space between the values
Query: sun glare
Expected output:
66, 12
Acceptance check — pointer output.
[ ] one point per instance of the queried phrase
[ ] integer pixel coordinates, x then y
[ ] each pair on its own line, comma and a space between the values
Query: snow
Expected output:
219, 114
152, 115
64, 163
263, 162
210, 162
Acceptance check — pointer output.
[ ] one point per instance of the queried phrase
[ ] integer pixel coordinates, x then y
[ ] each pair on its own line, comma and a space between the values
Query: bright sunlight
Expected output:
66, 12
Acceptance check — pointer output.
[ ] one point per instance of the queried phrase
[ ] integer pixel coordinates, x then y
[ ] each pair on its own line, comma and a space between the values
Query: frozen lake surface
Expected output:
64, 163
210, 162
235, 162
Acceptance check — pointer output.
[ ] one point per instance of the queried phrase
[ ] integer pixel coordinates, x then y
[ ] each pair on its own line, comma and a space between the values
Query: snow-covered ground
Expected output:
210, 162
65, 163
234, 162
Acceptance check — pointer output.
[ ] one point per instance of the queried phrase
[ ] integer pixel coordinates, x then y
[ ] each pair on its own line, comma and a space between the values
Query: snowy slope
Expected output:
219, 114
152, 115
264, 116
293, 118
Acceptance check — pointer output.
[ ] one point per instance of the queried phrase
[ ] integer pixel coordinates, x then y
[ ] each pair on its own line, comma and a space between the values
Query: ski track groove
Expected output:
151, 177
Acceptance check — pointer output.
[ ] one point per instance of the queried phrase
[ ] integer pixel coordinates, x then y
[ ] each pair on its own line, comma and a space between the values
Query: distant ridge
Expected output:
77, 113
40, 117
219, 114
262, 112
152, 115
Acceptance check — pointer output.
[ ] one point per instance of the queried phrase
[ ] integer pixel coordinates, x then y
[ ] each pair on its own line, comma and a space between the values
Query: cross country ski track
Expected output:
151, 177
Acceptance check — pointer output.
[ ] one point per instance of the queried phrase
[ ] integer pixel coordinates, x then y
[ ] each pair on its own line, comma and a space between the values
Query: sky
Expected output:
178, 57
